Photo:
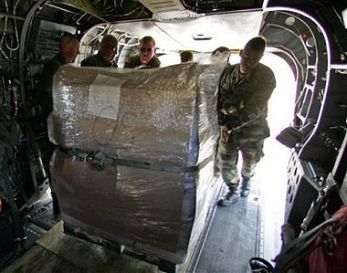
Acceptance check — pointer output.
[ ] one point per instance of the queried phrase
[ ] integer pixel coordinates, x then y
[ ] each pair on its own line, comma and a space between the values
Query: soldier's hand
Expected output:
225, 133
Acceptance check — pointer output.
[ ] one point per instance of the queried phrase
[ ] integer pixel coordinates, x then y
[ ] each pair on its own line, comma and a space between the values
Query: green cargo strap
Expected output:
159, 167
100, 160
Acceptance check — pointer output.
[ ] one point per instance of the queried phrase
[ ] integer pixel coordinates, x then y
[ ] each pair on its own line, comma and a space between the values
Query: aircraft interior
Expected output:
299, 184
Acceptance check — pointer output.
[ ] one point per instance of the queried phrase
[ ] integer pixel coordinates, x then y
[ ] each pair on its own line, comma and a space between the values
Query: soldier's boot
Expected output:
245, 186
216, 170
231, 197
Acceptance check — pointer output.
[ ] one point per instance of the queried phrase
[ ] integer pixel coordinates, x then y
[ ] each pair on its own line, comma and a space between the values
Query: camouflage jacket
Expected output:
134, 62
242, 101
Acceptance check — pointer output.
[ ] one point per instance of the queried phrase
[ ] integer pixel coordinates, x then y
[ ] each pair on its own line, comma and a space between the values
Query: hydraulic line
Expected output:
22, 65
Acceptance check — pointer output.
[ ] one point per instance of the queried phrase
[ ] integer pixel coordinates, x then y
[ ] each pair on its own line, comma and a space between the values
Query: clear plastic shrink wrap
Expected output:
157, 130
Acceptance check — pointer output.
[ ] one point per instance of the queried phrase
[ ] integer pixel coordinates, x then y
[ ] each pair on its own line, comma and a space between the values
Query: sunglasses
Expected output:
144, 49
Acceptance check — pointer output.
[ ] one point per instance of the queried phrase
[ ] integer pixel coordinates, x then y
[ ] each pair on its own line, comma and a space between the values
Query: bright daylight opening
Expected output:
272, 169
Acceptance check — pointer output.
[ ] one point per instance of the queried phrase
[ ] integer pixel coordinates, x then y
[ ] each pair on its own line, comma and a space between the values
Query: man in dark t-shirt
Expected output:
105, 56
68, 49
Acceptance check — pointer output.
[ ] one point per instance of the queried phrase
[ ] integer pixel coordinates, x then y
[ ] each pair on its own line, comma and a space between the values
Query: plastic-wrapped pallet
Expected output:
156, 132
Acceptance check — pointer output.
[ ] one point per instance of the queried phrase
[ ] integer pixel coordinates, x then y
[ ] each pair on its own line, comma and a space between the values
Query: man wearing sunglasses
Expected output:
105, 56
146, 57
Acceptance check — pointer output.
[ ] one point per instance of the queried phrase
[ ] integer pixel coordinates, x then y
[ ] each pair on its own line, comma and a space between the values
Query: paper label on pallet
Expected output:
104, 97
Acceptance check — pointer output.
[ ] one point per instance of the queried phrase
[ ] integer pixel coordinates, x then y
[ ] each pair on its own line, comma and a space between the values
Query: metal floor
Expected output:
233, 238
251, 227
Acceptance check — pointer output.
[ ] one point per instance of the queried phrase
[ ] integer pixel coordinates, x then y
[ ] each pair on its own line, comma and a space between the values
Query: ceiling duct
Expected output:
157, 6
168, 9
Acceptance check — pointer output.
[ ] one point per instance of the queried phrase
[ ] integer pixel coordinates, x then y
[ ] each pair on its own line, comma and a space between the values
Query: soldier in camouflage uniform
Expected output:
244, 91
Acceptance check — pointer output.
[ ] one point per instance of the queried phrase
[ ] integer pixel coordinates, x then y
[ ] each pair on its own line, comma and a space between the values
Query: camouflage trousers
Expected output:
228, 156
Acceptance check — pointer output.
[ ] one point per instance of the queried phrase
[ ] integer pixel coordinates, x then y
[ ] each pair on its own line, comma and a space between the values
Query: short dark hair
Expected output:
67, 38
109, 40
148, 39
257, 43
186, 56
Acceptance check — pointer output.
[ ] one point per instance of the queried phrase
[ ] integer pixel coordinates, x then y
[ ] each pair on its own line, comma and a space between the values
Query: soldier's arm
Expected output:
225, 119
85, 62
129, 63
255, 105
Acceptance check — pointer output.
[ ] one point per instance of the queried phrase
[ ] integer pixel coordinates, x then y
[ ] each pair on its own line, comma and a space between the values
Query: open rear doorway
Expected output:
272, 169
